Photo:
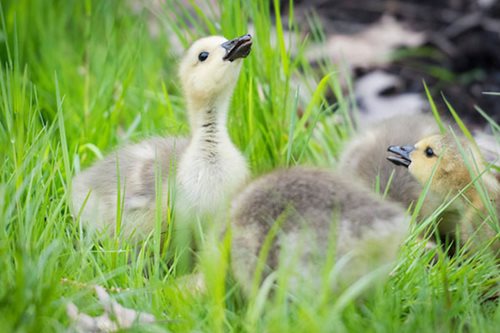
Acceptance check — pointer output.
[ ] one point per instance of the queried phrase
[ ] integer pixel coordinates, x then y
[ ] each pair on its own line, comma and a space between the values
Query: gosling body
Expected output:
125, 181
317, 213
203, 171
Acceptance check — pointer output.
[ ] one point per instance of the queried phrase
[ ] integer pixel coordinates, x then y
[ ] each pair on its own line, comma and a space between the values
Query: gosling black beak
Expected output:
403, 155
237, 48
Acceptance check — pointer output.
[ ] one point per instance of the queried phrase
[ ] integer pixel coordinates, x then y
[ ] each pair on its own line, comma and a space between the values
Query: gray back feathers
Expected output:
315, 209
137, 166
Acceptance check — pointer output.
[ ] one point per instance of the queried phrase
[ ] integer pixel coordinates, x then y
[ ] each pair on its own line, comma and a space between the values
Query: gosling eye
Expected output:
203, 56
429, 152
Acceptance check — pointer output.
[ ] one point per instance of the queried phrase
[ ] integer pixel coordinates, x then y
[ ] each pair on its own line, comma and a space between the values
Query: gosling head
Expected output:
210, 68
438, 155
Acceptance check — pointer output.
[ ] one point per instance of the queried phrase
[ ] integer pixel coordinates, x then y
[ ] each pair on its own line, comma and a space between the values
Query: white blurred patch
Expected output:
375, 107
486, 3
370, 47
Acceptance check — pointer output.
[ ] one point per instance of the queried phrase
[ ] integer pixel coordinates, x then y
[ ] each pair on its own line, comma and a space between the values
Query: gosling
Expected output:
314, 214
207, 168
438, 159
364, 157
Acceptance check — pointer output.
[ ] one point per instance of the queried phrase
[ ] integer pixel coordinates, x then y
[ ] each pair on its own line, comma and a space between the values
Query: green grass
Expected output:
78, 78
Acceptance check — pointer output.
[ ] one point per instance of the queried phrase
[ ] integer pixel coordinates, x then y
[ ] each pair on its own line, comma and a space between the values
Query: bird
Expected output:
364, 158
203, 171
454, 167
310, 214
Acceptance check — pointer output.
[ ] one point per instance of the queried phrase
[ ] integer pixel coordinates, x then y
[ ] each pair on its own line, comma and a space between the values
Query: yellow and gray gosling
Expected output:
314, 214
208, 168
437, 159
364, 157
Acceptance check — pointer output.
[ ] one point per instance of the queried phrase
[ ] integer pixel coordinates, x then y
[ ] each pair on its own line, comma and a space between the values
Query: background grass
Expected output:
79, 78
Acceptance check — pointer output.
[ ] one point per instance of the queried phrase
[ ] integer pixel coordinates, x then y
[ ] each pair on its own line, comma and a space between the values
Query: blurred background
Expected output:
116, 63
393, 45
390, 47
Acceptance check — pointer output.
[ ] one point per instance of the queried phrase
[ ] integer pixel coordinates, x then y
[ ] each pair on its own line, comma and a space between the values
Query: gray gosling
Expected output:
314, 214
437, 159
208, 168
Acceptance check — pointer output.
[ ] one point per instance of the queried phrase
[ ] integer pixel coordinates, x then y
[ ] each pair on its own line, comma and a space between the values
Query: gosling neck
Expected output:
208, 120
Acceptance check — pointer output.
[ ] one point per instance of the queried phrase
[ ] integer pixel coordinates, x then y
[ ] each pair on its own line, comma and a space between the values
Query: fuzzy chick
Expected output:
454, 167
363, 157
310, 215
205, 170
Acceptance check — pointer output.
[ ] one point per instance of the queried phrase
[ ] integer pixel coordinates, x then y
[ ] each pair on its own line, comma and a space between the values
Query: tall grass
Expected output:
78, 78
